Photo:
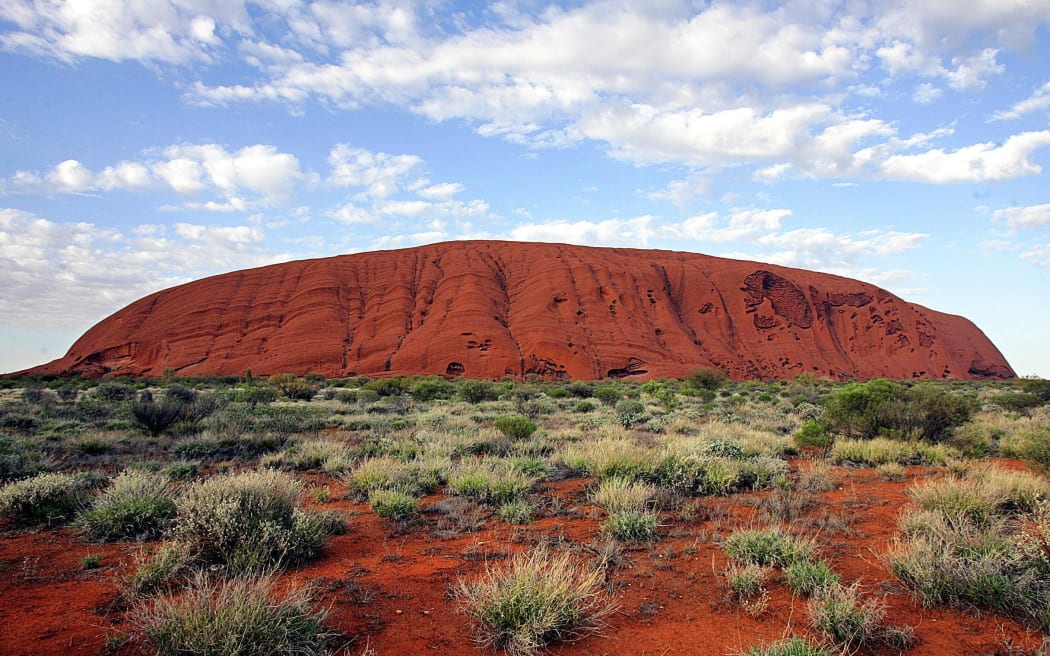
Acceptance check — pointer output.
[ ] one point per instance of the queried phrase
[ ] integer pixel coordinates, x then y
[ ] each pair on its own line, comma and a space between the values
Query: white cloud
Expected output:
442, 191
978, 163
72, 274
742, 224
1038, 255
186, 169
381, 174
926, 93
822, 250
1030, 217
1038, 101
683, 192
619, 232
174, 31
973, 72
351, 214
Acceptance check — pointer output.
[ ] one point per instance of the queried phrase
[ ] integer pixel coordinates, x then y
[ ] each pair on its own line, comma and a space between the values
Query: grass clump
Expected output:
43, 499
617, 495
632, 526
611, 457
844, 617
393, 504
516, 512
137, 505
538, 599
804, 578
981, 541
769, 547
746, 580
489, 481
239, 617
793, 646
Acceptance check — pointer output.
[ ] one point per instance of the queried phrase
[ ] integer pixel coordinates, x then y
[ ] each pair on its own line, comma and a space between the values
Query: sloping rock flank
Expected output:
487, 309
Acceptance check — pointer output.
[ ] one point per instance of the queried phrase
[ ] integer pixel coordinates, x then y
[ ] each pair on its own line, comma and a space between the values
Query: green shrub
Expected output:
248, 521
583, 407
114, 391
292, 387
706, 379
20, 458
1022, 402
43, 499
515, 428
880, 406
539, 599
238, 617
430, 389
155, 417
137, 505
630, 413
814, 434
476, 391
607, 395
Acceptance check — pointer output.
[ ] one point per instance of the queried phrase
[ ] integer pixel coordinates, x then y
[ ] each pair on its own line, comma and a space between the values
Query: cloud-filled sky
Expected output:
147, 143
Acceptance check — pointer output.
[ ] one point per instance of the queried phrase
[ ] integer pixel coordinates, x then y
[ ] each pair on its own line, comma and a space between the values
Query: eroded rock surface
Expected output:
488, 309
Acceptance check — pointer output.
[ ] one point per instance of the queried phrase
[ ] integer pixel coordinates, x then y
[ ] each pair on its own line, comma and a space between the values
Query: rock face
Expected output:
487, 309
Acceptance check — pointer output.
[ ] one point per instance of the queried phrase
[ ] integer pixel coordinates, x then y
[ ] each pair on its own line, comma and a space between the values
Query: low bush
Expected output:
540, 598
515, 428
43, 499
248, 521
137, 505
239, 617
630, 413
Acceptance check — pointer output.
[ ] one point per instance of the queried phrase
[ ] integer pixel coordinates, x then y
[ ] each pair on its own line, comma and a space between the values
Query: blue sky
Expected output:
151, 142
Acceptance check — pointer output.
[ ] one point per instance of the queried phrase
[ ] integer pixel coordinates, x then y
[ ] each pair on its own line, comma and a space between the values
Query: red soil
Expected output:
388, 588
488, 309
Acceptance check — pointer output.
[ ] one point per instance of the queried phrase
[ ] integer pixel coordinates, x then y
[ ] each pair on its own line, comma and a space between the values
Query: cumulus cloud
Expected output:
380, 174
74, 273
187, 169
723, 84
977, 163
173, 31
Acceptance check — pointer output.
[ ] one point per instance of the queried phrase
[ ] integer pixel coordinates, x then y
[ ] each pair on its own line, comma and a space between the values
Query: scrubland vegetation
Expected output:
225, 492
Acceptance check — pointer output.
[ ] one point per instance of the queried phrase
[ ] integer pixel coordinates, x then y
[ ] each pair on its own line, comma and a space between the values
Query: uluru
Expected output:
489, 309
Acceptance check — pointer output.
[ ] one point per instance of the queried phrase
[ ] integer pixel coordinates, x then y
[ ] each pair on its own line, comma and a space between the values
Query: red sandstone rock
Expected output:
487, 309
